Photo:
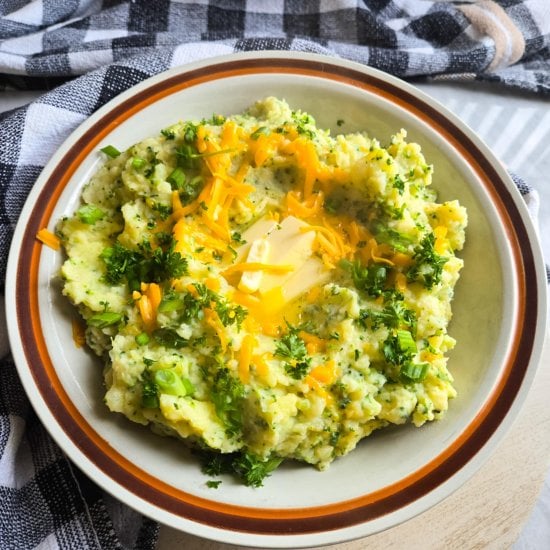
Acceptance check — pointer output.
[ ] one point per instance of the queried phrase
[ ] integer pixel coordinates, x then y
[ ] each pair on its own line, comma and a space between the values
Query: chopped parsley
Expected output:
227, 394
390, 236
237, 238
164, 210
371, 279
393, 315
149, 391
168, 133
398, 184
143, 265
213, 483
190, 131
302, 121
249, 468
169, 338
293, 348
428, 265
229, 315
399, 349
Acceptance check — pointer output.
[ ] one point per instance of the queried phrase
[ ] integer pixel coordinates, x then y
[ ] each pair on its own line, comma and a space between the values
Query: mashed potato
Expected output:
265, 290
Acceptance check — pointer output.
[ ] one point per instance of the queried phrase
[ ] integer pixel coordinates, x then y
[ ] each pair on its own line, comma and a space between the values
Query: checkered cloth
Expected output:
82, 53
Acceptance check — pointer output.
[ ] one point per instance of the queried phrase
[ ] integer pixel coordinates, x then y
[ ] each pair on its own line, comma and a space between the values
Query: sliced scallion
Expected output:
169, 382
110, 151
176, 179
405, 341
414, 372
105, 319
171, 304
142, 339
262, 130
90, 214
138, 162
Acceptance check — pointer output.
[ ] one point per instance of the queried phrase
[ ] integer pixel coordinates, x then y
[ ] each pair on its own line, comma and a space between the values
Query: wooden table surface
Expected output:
488, 512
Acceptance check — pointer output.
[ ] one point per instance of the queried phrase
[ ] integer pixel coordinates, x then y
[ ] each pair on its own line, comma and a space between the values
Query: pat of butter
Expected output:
290, 245
260, 230
313, 272
284, 243
258, 253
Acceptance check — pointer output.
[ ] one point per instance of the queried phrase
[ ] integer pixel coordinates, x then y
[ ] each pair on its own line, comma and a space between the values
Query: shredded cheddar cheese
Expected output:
79, 333
46, 237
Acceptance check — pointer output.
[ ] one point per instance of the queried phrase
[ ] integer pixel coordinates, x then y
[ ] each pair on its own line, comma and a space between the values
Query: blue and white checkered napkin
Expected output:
82, 53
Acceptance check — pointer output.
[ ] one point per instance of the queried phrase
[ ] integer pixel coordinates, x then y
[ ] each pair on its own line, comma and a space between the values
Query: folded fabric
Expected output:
505, 41
44, 500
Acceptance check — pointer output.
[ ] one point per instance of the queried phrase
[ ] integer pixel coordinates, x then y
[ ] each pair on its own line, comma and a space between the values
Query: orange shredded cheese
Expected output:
182, 211
148, 301
212, 283
304, 208
79, 333
315, 385
314, 344
400, 282
308, 160
401, 259
48, 238
219, 230
257, 266
154, 293
245, 357
213, 320
325, 374
260, 363
146, 312
376, 251
176, 201
313, 294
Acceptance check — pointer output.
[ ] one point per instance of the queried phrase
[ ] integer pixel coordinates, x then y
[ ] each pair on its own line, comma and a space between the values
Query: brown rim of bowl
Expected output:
277, 521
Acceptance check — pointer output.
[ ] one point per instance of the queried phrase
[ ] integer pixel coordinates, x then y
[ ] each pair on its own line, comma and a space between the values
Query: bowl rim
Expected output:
267, 528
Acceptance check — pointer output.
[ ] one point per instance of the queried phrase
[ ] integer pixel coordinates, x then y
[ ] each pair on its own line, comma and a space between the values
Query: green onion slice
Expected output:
142, 339
414, 372
90, 213
104, 319
138, 162
177, 178
170, 383
405, 341
110, 151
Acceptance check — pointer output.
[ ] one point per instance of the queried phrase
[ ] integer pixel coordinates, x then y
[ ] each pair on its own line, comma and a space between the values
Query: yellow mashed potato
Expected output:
265, 290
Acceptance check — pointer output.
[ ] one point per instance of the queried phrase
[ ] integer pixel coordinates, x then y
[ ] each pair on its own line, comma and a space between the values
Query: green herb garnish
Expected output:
292, 347
428, 265
227, 394
104, 319
110, 151
249, 468
143, 265
90, 214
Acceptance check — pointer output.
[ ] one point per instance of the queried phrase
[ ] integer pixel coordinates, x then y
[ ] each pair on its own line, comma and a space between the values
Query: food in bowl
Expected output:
265, 290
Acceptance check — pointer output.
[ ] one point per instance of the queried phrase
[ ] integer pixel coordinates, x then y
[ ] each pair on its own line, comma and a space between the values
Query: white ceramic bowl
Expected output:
499, 316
